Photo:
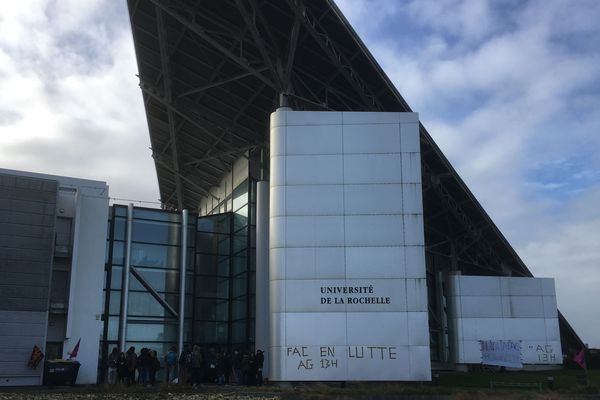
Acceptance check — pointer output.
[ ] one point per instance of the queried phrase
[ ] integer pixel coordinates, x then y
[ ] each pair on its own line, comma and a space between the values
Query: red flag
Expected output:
36, 357
75, 350
580, 359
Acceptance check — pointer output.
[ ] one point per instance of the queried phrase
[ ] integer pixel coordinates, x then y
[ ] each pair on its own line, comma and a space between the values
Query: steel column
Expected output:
182, 276
125, 281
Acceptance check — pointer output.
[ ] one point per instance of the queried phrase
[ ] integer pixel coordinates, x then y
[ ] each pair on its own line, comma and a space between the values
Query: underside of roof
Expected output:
212, 71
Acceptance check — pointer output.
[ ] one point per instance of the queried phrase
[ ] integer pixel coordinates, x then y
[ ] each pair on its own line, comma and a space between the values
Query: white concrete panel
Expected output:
525, 329
412, 198
323, 231
415, 261
527, 306
278, 118
375, 262
482, 328
300, 263
552, 329
409, 142
314, 170
548, 286
366, 117
471, 351
276, 363
418, 328
373, 199
315, 200
379, 362
329, 263
384, 290
277, 329
550, 307
278, 141
374, 230
277, 296
416, 294
521, 286
372, 168
314, 118
277, 231
318, 139
408, 117
479, 286
481, 307
411, 167
277, 201
414, 231
372, 138
419, 363
379, 327
301, 329
507, 311
277, 264
277, 175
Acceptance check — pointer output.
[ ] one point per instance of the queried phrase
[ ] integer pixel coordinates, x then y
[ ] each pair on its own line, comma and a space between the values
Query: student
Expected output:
112, 366
170, 364
132, 360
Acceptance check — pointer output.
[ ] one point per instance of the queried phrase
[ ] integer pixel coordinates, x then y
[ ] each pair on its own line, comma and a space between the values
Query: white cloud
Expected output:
504, 88
72, 106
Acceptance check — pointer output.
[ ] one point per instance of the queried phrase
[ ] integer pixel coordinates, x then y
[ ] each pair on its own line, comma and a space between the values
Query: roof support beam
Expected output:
194, 184
218, 155
215, 84
152, 92
166, 68
259, 42
202, 33
320, 36
295, 33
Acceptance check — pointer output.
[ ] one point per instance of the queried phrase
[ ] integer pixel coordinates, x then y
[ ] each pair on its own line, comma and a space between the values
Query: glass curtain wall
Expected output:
155, 257
225, 272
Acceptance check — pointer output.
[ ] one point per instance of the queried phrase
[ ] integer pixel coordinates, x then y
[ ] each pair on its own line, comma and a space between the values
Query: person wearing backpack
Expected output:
171, 364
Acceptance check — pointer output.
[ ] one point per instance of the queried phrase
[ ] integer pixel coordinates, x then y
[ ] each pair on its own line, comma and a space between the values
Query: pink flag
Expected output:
75, 350
580, 359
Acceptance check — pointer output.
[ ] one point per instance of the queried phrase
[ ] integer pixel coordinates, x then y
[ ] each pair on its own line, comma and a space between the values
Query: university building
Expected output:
306, 211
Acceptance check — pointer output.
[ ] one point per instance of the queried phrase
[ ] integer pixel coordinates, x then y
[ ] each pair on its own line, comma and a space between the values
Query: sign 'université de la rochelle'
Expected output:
348, 296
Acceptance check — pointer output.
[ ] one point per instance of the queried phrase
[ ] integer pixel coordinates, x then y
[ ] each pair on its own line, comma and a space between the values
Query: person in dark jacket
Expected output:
144, 366
122, 371
185, 366
196, 367
260, 360
153, 367
236, 362
131, 359
251, 375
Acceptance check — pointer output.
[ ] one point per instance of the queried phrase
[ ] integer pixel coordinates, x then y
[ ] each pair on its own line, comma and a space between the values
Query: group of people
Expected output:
194, 367
130, 368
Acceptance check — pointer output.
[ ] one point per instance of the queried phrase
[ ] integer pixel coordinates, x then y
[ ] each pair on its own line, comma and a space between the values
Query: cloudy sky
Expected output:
509, 89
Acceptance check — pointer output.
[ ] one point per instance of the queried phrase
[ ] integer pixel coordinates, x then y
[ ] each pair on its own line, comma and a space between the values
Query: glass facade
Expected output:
155, 258
220, 281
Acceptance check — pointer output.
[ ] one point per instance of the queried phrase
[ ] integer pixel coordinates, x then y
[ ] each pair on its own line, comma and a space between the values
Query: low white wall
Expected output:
504, 308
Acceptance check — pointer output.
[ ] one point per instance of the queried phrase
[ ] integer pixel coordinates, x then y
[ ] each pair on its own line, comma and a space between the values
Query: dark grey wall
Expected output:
27, 215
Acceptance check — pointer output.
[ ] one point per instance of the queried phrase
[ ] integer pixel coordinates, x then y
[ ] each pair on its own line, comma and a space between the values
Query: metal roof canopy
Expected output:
211, 72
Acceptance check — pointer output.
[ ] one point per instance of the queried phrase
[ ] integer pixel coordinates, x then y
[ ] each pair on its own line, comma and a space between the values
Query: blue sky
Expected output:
510, 90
